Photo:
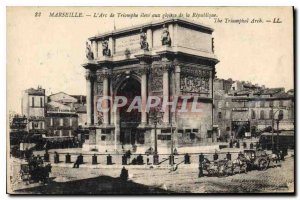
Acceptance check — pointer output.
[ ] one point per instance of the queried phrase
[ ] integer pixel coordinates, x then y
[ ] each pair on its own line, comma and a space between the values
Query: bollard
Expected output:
140, 160
201, 158
109, 160
251, 145
200, 170
124, 160
187, 159
94, 160
56, 158
230, 144
216, 156
282, 156
228, 156
171, 160
155, 159
46, 157
68, 158
244, 145
238, 144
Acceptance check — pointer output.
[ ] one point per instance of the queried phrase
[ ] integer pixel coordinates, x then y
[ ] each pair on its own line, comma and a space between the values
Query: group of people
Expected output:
37, 169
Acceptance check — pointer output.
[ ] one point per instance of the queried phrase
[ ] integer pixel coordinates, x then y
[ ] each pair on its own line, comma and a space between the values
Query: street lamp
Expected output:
155, 119
280, 117
172, 140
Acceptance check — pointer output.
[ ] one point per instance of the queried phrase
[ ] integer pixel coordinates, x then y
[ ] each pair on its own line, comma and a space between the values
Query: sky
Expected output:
49, 51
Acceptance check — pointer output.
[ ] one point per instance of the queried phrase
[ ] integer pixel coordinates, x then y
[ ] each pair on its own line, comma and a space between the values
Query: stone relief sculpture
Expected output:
156, 74
195, 81
99, 118
143, 40
88, 51
106, 50
165, 36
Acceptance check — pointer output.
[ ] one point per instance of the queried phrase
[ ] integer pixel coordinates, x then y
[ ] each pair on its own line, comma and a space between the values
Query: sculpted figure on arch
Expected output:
143, 40
165, 36
106, 50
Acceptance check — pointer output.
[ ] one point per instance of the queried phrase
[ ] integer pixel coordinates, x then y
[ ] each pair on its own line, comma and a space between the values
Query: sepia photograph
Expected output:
150, 100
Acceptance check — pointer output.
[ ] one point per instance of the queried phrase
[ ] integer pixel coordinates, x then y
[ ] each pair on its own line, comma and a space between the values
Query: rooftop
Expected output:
158, 23
38, 91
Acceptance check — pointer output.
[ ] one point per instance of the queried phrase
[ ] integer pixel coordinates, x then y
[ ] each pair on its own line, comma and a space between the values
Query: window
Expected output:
262, 104
195, 130
220, 115
41, 102
192, 136
271, 103
140, 138
180, 132
209, 133
271, 114
253, 114
32, 101
227, 104
35, 124
280, 115
227, 128
60, 133
262, 114
220, 104
280, 103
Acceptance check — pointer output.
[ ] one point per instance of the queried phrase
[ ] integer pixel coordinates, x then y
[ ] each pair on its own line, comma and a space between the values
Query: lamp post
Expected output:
172, 142
155, 119
280, 117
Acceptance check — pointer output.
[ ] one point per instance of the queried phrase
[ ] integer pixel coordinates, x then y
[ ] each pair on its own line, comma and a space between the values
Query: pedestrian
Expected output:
124, 174
77, 162
148, 160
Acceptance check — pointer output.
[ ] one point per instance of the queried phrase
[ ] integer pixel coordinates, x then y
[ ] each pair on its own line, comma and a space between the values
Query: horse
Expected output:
240, 163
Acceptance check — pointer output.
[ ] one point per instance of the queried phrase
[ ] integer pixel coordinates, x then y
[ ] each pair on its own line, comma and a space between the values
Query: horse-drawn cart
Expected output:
32, 172
218, 167
248, 160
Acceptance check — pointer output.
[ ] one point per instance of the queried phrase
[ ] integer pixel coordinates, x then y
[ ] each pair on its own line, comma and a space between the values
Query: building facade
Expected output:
62, 118
33, 107
251, 109
167, 59
55, 117
61, 123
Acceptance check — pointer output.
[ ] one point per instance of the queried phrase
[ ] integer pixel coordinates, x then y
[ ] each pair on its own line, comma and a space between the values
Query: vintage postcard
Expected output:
150, 100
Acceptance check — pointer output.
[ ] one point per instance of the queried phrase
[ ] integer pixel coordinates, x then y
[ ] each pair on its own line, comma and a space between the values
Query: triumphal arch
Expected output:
169, 59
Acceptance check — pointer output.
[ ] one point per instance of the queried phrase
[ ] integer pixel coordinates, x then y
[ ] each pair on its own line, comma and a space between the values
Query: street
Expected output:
90, 180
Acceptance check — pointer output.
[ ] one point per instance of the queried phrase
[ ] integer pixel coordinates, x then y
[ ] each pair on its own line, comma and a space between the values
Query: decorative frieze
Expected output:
142, 70
193, 80
99, 118
156, 78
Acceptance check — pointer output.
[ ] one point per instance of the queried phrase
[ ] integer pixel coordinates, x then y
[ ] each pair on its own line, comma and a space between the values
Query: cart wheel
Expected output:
263, 164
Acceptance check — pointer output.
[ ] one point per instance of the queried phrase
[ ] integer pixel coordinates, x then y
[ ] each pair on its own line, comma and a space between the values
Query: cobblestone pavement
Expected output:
183, 180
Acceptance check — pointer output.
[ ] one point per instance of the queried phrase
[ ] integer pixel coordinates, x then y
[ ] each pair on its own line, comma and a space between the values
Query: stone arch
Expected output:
123, 78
